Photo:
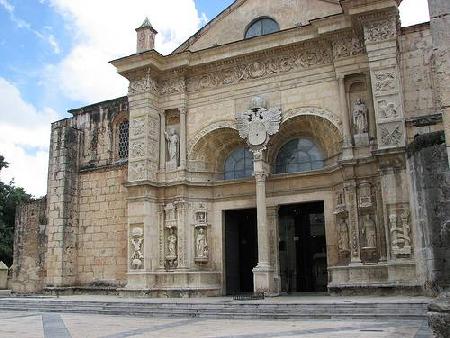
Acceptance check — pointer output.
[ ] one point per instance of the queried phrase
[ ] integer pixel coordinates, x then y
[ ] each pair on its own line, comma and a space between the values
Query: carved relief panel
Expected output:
136, 247
399, 223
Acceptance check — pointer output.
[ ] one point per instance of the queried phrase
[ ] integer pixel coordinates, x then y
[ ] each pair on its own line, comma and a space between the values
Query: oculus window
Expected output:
239, 164
299, 155
262, 26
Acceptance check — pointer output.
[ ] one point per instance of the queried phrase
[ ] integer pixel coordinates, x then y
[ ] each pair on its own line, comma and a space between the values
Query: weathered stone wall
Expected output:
85, 197
430, 198
102, 238
416, 68
30, 246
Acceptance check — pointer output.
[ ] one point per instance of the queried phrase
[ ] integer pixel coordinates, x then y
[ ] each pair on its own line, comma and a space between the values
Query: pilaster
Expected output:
380, 32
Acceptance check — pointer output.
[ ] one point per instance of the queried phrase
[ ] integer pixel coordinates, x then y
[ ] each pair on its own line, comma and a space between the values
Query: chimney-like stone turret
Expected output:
145, 37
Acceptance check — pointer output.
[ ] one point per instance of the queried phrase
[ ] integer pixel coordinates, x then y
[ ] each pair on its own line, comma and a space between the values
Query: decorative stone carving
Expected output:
172, 245
369, 231
225, 124
345, 45
201, 235
387, 110
391, 135
400, 234
137, 127
360, 114
136, 171
137, 246
173, 141
137, 149
145, 83
380, 30
344, 238
365, 195
172, 86
385, 82
258, 124
292, 59
341, 207
170, 216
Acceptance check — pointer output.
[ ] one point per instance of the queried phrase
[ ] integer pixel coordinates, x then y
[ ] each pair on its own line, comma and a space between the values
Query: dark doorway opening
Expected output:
241, 250
303, 255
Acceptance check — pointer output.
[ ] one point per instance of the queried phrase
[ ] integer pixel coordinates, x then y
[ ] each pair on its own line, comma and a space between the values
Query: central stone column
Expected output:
256, 126
264, 272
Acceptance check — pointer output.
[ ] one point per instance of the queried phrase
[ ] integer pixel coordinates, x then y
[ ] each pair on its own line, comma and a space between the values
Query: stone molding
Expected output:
230, 124
313, 111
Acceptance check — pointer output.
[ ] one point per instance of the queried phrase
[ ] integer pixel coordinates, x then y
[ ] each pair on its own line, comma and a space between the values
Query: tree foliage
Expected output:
10, 197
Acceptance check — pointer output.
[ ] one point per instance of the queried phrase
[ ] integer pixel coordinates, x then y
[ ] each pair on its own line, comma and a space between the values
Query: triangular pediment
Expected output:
231, 25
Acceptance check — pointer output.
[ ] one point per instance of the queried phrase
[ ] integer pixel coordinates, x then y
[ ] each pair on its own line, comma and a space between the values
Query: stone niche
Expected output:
172, 137
342, 227
201, 246
360, 107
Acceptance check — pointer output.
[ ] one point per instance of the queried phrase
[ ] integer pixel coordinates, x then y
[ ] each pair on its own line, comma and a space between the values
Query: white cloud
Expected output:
104, 30
413, 12
24, 140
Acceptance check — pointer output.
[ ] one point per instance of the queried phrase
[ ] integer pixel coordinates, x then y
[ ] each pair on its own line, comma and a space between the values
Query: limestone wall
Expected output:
102, 239
30, 247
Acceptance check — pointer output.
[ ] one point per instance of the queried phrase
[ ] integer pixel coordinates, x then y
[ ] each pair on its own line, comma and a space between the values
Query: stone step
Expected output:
410, 310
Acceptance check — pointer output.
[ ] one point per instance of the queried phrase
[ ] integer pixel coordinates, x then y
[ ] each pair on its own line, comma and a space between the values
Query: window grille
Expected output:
123, 140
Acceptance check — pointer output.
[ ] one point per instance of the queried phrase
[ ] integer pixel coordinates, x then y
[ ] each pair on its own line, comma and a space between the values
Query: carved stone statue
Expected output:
137, 240
369, 231
360, 113
172, 245
344, 239
172, 145
202, 245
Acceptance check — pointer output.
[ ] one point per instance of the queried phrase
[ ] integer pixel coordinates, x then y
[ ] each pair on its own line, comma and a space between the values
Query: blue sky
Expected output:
54, 56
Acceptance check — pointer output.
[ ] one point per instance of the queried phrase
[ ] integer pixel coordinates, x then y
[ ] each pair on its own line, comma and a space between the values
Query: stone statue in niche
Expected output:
344, 239
137, 241
202, 244
172, 147
360, 113
369, 231
172, 245
400, 234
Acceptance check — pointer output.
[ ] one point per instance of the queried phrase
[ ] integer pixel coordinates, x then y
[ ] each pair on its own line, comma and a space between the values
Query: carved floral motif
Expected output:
294, 60
333, 118
387, 109
347, 45
137, 171
137, 149
137, 127
380, 30
385, 82
143, 84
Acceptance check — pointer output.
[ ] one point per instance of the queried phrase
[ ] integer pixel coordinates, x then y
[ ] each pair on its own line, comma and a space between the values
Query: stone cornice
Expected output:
161, 64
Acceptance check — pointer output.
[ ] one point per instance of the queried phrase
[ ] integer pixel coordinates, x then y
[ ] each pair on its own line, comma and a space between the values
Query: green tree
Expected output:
10, 197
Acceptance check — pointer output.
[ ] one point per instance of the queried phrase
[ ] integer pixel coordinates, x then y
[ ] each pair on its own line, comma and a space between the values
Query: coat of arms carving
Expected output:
258, 123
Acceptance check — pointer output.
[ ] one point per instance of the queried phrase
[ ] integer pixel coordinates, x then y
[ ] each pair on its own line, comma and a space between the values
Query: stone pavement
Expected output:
54, 325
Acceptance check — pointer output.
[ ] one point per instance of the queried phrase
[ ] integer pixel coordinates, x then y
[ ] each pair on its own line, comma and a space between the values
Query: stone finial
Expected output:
145, 37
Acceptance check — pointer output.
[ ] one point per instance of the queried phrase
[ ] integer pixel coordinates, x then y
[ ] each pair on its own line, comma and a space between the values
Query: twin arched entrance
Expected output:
305, 146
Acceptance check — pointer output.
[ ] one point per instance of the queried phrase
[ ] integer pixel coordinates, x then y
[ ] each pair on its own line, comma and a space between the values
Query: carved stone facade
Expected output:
317, 113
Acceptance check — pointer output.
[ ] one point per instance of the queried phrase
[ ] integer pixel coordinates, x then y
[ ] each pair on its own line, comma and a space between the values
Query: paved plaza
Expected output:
53, 325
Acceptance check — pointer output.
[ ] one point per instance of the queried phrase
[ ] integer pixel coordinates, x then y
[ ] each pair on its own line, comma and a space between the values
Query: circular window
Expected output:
262, 26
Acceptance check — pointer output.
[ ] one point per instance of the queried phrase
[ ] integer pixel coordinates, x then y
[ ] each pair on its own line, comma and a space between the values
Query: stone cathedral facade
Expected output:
288, 146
